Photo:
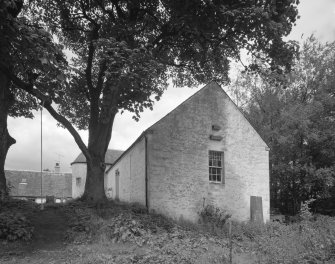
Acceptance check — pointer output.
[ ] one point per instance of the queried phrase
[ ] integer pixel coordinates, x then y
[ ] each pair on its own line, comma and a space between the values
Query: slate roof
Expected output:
111, 156
28, 183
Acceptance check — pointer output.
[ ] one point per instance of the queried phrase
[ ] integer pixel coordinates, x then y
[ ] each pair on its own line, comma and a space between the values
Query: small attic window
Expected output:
78, 181
23, 181
216, 128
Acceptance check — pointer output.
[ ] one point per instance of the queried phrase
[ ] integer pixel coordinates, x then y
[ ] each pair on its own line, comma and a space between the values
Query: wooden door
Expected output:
117, 183
256, 209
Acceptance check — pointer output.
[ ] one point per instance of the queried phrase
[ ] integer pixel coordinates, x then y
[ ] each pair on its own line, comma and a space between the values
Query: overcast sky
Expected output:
316, 16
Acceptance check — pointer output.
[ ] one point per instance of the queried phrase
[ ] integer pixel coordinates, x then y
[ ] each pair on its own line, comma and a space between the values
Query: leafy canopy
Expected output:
298, 123
29, 54
124, 52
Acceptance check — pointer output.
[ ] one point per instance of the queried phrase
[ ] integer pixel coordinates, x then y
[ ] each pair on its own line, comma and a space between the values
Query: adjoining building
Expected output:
204, 152
79, 170
30, 185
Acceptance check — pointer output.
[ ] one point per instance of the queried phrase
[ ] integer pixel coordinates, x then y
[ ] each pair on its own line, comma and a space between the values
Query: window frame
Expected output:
78, 181
216, 167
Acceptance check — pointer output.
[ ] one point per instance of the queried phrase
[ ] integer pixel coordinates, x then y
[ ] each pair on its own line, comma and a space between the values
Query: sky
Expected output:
316, 17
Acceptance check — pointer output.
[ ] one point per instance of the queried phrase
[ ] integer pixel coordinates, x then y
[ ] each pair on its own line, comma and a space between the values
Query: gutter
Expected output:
146, 172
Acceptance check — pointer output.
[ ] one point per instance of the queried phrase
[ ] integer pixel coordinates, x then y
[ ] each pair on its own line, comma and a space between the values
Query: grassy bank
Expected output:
121, 233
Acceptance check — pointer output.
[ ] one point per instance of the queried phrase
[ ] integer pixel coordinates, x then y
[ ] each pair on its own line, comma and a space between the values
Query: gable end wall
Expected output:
178, 159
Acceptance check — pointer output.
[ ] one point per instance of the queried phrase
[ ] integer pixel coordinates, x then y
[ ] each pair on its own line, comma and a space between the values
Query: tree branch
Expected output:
119, 11
82, 4
88, 70
47, 104
94, 94
103, 68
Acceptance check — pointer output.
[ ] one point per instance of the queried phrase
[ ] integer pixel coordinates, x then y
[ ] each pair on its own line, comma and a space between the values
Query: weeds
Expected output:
15, 226
213, 217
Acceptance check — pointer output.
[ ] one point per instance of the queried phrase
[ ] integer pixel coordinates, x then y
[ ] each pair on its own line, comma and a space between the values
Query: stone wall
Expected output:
131, 169
178, 148
78, 179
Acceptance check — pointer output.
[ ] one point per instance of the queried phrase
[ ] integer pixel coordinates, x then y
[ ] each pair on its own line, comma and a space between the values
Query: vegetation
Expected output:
14, 226
123, 233
124, 52
297, 121
14, 220
27, 54
213, 216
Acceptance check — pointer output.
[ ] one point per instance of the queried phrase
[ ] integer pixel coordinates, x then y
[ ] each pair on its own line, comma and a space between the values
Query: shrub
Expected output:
304, 242
14, 226
249, 230
138, 208
213, 216
305, 211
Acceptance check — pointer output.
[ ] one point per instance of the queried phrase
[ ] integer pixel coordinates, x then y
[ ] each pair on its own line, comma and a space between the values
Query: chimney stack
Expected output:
57, 167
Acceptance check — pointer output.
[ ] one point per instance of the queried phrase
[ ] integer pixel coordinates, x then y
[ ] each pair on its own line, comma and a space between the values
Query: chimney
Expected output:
57, 167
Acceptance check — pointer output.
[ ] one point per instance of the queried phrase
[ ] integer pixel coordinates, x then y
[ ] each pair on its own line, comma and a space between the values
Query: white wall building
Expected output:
79, 166
203, 152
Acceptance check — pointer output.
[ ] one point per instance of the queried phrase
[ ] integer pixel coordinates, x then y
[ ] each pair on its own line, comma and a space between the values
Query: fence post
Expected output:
230, 245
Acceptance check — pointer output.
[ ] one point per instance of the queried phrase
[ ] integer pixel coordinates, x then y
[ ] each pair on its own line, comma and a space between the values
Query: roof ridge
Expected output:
189, 98
110, 157
148, 129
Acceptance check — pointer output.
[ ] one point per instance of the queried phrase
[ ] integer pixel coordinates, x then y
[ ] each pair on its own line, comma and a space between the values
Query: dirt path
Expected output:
50, 228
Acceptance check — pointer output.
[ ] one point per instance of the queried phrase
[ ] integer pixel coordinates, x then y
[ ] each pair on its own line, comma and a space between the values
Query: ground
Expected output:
66, 235
120, 233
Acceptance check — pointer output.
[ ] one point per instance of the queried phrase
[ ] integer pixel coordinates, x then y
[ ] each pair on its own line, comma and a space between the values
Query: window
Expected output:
78, 181
216, 166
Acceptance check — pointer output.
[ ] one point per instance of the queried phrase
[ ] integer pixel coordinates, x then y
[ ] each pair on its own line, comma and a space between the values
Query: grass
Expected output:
123, 233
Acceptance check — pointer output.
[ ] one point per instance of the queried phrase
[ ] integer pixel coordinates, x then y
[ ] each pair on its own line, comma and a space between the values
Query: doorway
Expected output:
117, 183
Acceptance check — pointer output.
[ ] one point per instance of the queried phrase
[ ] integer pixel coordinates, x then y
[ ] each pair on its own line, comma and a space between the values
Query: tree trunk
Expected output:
94, 187
99, 138
5, 139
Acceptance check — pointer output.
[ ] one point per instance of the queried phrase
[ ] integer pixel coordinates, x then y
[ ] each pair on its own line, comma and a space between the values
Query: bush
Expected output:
213, 217
305, 211
247, 230
14, 226
304, 242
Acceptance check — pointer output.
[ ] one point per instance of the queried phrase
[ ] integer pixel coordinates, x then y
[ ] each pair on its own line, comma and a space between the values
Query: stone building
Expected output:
204, 152
78, 167
31, 185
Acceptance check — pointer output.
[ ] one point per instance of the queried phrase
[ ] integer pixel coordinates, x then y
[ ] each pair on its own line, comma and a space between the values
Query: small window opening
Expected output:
216, 166
78, 181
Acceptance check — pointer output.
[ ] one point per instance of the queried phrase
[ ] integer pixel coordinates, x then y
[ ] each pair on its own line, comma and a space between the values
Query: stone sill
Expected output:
216, 183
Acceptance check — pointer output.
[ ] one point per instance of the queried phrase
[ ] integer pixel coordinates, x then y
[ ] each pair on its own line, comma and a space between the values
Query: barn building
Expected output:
54, 186
204, 152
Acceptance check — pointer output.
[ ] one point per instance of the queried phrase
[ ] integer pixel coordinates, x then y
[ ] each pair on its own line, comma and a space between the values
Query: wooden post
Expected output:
230, 245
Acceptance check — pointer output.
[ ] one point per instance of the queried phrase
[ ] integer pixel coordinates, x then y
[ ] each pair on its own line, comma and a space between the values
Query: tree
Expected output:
23, 51
126, 51
298, 124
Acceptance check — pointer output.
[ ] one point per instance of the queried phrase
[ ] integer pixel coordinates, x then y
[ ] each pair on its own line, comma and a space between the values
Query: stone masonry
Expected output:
173, 155
178, 149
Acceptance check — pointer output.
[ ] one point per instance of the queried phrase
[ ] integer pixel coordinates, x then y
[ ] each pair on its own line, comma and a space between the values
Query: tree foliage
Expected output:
124, 52
29, 55
137, 46
298, 123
